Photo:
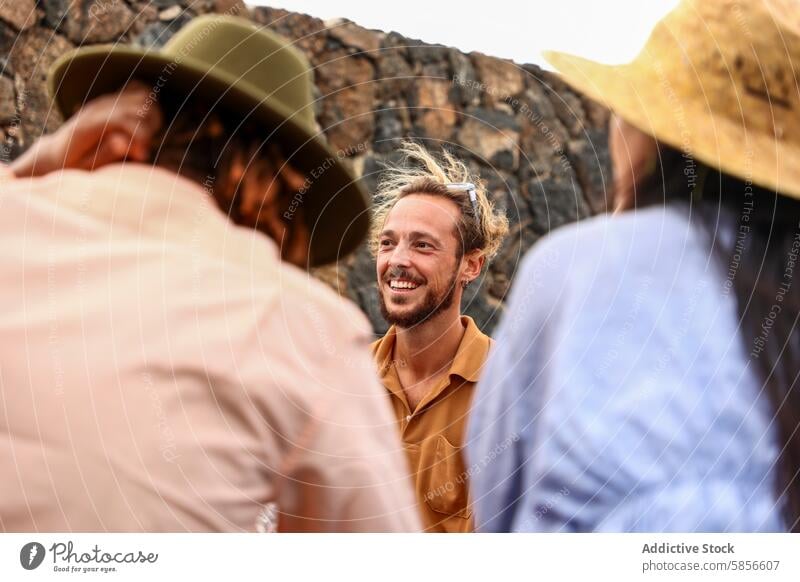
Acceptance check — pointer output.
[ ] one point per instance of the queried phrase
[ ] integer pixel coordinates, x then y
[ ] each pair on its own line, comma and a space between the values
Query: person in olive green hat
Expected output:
168, 366
255, 83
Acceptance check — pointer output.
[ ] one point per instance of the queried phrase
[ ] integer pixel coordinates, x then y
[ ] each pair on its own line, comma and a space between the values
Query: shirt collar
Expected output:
472, 352
382, 350
467, 363
158, 204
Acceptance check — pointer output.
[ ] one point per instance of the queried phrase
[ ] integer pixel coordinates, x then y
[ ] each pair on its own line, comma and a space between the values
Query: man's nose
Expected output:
400, 257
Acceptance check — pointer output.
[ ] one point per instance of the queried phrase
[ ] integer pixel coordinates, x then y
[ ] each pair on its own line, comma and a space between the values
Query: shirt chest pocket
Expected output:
442, 479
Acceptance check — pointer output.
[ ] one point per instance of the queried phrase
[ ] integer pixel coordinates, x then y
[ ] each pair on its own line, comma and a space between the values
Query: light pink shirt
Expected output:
163, 370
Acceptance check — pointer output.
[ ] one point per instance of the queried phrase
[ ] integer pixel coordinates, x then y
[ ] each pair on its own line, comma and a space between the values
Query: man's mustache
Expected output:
399, 273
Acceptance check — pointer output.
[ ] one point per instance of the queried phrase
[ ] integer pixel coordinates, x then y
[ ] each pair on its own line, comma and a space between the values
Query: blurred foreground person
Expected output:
433, 233
646, 372
167, 364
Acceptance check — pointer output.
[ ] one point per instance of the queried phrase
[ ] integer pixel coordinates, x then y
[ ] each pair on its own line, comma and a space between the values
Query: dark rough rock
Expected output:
395, 76
89, 22
309, 34
435, 115
389, 129
8, 38
20, 14
353, 36
31, 57
346, 83
8, 106
156, 34
501, 79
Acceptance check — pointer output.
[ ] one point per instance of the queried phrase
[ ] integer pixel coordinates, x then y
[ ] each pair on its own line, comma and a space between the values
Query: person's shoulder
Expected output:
302, 291
608, 231
613, 242
598, 259
6, 175
311, 341
329, 328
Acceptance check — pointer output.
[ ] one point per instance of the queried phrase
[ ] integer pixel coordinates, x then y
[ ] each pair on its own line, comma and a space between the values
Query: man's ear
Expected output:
472, 263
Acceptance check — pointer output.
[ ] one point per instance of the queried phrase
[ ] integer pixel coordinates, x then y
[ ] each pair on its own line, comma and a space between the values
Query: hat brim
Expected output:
636, 93
335, 207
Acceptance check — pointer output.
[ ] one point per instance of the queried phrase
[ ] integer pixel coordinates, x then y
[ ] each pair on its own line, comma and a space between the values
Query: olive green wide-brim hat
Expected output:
253, 75
717, 79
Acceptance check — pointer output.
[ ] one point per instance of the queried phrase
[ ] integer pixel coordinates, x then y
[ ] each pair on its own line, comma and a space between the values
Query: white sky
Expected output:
609, 31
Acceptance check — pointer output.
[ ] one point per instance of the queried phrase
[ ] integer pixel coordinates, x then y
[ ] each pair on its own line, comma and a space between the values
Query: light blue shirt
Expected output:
621, 395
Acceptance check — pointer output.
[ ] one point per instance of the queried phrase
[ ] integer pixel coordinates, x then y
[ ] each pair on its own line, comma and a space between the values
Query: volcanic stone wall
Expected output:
540, 146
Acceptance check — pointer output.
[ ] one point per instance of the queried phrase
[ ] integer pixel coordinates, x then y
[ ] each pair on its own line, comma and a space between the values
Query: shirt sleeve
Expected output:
507, 400
350, 474
347, 471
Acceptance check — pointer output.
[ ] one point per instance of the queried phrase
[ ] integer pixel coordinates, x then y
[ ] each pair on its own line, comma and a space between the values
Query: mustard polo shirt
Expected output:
433, 435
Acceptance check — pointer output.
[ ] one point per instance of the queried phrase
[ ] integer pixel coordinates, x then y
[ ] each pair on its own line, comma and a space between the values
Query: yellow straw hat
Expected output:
717, 80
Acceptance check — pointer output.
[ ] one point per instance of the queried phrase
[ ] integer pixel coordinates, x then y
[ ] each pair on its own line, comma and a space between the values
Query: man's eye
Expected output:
423, 245
385, 242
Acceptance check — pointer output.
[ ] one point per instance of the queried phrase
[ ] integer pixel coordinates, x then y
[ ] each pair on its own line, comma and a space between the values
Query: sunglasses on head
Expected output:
471, 191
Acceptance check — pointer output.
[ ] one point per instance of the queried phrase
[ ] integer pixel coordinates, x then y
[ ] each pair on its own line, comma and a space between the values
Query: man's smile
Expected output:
403, 285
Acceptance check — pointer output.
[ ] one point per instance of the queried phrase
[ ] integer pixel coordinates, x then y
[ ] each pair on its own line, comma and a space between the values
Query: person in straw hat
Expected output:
169, 365
646, 372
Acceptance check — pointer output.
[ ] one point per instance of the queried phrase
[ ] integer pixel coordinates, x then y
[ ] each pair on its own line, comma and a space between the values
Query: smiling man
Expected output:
434, 231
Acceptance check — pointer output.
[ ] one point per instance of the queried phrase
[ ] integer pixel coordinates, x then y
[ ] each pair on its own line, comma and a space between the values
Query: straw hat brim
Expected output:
335, 206
639, 95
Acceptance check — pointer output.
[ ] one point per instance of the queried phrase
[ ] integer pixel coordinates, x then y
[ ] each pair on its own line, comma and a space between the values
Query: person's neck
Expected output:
428, 349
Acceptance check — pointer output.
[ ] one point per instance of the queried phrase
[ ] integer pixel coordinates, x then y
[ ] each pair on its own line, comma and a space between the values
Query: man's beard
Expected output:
431, 304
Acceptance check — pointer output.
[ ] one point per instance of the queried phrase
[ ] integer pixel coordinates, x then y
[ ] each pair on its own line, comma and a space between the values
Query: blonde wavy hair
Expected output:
422, 173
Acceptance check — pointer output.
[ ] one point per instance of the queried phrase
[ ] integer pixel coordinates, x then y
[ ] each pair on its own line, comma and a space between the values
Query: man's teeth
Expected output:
394, 284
